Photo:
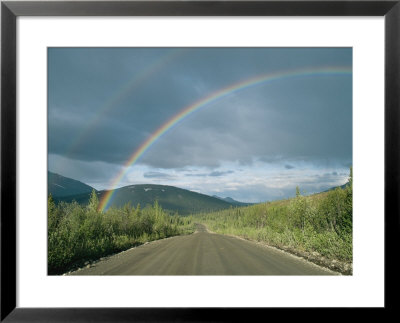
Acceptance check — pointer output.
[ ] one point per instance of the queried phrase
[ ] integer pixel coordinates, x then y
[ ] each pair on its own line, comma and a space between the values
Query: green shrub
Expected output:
318, 223
77, 234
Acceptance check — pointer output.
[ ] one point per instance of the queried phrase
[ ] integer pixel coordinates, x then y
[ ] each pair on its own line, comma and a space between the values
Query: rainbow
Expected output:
122, 93
220, 94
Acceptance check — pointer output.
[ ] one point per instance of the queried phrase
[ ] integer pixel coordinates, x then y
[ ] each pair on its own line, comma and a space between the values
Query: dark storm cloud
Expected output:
212, 174
219, 173
92, 119
196, 175
265, 125
326, 177
156, 175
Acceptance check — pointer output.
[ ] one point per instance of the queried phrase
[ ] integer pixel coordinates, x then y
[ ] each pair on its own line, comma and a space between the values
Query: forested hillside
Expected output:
60, 186
170, 198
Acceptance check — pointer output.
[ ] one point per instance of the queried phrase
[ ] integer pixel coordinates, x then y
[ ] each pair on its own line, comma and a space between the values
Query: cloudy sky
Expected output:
254, 144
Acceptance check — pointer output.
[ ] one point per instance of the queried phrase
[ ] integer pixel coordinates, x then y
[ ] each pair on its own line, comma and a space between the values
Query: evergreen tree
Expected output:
346, 220
298, 209
93, 204
297, 191
52, 214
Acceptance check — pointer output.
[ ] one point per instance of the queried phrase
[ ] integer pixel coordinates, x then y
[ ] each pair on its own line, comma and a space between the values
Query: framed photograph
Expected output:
161, 159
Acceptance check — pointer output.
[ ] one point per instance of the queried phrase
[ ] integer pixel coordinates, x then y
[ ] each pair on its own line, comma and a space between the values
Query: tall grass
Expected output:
77, 234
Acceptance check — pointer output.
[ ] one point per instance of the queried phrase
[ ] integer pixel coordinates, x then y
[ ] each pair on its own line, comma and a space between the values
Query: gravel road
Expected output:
203, 253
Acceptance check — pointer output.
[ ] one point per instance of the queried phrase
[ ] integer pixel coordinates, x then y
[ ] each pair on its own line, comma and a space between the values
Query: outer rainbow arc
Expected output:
205, 101
119, 95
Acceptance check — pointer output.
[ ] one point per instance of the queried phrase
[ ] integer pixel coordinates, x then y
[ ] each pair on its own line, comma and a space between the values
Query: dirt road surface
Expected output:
203, 253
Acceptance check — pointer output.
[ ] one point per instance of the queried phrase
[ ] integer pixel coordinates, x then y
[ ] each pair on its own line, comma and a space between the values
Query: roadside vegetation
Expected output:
319, 226
79, 234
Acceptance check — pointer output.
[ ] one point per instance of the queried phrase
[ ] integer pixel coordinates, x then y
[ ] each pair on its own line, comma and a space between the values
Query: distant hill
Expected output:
80, 198
171, 198
333, 188
59, 186
232, 201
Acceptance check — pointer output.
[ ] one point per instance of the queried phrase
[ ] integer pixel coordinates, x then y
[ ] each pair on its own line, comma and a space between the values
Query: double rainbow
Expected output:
222, 93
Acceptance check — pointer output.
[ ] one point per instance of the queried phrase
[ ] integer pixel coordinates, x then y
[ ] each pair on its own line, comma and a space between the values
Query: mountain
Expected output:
232, 201
59, 186
170, 198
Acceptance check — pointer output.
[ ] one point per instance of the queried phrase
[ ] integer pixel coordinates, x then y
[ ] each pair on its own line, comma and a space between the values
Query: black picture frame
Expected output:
10, 10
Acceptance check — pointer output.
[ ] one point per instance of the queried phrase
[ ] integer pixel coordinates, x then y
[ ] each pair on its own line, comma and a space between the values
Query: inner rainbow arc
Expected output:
205, 101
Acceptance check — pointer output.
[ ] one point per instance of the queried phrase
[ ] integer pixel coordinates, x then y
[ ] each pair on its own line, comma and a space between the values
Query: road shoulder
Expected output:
332, 266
